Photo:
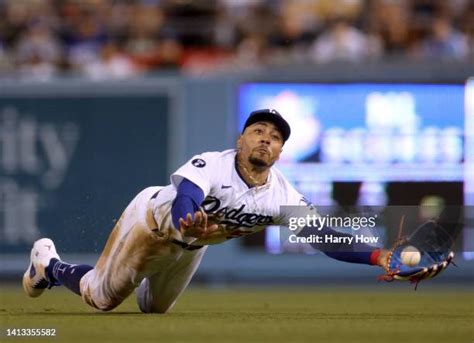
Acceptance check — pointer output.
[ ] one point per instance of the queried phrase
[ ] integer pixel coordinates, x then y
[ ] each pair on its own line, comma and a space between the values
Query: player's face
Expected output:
260, 144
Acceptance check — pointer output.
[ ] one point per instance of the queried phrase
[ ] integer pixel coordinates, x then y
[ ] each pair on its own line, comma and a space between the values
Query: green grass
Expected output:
242, 315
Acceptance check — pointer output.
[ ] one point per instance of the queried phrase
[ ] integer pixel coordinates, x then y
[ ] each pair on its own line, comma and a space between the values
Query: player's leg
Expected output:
46, 268
134, 251
159, 292
35, 279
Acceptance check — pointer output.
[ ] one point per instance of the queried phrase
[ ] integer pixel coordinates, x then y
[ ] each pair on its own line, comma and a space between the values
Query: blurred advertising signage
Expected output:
30, 149
367, 123
372, 134
69, 165
406, 126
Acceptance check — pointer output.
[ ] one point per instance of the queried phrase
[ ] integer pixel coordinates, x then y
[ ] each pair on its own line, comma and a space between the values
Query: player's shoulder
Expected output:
287, 194
213, 158
216, 155
283, 187
279, 179
226, 154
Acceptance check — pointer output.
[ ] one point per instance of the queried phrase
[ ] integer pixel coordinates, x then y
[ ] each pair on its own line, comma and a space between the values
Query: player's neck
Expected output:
252, 175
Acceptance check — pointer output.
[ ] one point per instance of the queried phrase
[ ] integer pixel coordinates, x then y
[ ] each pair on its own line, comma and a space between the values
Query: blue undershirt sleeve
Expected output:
188, 199
365, 253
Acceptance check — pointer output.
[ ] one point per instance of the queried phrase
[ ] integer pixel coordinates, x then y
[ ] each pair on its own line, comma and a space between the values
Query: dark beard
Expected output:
258, 163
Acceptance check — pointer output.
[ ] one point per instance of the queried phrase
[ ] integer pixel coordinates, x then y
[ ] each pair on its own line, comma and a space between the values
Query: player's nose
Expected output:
265, 138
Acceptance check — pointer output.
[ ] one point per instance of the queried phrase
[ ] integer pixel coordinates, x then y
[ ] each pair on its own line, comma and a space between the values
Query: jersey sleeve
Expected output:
200, 170
298, 207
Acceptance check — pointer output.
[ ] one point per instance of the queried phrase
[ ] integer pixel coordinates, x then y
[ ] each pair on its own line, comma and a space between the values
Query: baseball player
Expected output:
161, 237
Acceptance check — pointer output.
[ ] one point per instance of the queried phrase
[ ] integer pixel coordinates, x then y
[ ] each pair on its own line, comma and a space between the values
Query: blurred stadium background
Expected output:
99, 99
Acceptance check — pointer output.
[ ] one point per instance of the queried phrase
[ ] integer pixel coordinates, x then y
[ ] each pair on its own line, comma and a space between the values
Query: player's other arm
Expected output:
188, 198
185, 212
365, 254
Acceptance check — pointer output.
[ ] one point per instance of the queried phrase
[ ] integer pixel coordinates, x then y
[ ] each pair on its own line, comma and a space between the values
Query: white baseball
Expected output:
410, 256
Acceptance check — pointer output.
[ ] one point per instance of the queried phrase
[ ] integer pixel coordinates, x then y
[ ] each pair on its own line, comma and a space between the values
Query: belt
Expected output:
182, 244
186, 246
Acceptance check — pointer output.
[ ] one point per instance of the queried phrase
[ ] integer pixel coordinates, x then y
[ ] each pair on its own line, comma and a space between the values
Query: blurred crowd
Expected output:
113, 39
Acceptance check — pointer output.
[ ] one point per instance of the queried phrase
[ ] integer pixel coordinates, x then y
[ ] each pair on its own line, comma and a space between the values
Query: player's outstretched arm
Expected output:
188, 218
360, 253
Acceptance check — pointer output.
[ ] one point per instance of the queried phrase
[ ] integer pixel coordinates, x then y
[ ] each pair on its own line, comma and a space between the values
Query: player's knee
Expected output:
104, 306
150, 307
147, 303
109, 305
100, 303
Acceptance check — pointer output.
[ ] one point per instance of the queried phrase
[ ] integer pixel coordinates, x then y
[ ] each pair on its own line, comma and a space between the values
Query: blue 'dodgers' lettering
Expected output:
235, 217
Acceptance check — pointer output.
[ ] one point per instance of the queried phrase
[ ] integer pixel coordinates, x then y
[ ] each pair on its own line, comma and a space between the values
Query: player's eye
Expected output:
276, 138
258, 131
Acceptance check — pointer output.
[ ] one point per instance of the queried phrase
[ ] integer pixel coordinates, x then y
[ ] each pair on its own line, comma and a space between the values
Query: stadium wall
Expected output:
114, 138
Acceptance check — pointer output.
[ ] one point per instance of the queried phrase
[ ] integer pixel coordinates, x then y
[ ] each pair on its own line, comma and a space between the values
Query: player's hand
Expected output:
383, 258
197, 228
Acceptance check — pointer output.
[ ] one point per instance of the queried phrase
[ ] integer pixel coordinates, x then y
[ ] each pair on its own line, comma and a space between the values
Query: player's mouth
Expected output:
262, 150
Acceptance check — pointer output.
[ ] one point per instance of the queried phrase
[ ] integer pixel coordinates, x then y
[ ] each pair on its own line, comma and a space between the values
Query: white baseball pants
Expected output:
137, 255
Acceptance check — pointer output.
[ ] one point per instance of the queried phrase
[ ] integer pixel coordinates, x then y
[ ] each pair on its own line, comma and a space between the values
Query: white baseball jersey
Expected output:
229, 202
140, 251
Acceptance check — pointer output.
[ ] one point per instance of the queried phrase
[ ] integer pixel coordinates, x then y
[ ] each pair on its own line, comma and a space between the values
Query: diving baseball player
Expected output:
159, 241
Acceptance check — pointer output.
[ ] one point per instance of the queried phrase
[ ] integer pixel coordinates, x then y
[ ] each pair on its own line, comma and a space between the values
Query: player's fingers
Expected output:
198, 220
204, 219
190, 224
213, 228
183, 223
198, 227
189, 219
201, 218
183, 228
